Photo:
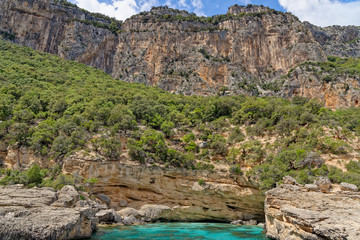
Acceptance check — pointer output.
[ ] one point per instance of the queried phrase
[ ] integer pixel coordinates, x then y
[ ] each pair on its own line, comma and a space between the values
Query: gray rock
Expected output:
117, 218
348, 187
295, 213
106, 216
67, 197
82, 204
123, 203
203, 145
237, 222
131, 220
26, 214
104, 198
290, 180
16, 195
250, 223
324, 184
152, 213
312, 187
126, 212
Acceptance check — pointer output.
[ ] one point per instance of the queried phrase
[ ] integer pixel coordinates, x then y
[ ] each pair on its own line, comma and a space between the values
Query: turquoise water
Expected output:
181, 231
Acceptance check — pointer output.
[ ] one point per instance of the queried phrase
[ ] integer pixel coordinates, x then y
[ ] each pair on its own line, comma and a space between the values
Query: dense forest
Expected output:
56, 108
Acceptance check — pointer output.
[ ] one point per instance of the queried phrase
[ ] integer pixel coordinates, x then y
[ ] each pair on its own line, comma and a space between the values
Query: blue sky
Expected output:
319, 12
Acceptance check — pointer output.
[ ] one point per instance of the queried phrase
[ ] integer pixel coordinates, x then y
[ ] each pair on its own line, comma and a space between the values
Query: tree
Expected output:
90, 184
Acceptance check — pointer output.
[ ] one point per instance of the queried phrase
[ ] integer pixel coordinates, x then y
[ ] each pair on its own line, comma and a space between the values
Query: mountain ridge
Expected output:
239, 52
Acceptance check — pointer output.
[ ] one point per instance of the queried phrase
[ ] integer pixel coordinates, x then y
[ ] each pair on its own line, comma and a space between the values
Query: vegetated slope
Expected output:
245, 51
57, 108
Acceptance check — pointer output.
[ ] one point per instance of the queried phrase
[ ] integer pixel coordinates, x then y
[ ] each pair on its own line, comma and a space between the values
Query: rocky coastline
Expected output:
315, 211
43, 213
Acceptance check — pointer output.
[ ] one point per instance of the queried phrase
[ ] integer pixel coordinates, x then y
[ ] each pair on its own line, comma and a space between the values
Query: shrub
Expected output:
236, 135
201, 182
236, 170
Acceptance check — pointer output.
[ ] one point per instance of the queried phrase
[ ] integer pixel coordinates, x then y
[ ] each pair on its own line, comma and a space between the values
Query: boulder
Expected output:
250, 223
237, 222
126, 212
203, 145
131, 220
67, 197
312, 187
290, 180
324, 184
82, 204
152, 213
123, 203
105, 199
106, 216
348, 187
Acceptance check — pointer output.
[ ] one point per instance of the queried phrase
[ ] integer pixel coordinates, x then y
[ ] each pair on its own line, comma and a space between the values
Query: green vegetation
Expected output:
335, 66
7, 35
56, 108
36, 176
181, 16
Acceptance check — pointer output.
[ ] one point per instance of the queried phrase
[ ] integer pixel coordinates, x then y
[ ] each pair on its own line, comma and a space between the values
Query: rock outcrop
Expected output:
246, 50
221, 198
29, 214
334, 89
295, 212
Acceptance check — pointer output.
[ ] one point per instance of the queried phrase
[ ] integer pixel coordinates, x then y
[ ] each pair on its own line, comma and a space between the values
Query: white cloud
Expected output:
245, 2
120, 9
170, 4
324, 12
198, 7
182, 3
146, 5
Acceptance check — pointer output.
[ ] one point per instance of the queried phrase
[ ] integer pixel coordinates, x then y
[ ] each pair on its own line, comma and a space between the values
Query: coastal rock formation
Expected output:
221, 198
295, 212
245, 51
28, 214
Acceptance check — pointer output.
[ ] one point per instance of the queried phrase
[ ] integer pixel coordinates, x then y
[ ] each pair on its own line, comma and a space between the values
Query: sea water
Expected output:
181, 231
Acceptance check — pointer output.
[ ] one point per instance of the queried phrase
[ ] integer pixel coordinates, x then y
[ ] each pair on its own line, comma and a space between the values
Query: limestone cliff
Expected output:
48, 26
245, 50
220, 198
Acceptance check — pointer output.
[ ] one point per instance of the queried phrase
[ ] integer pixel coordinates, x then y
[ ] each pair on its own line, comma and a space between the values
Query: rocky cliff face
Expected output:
178, 51
245, 51
341, 41
335, 90
220, 198
296, 212
51, 27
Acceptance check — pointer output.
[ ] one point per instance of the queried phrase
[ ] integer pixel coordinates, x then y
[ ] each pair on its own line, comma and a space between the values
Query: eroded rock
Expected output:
152, 213
348, 187
67, 197
27, 214
324, 184
293, 212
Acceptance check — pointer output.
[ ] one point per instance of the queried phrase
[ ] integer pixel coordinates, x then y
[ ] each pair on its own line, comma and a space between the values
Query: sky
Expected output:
318, 12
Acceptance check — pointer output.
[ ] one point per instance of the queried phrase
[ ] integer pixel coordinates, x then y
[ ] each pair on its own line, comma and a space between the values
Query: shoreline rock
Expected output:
44, 214
297, 212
